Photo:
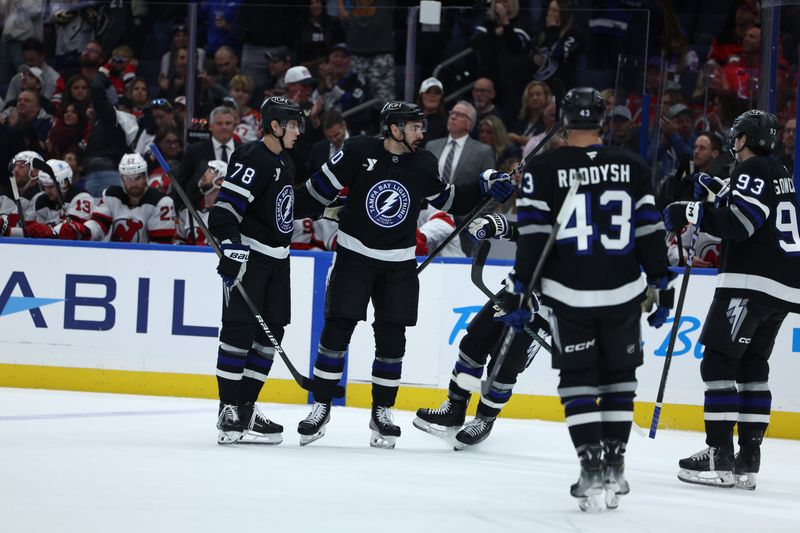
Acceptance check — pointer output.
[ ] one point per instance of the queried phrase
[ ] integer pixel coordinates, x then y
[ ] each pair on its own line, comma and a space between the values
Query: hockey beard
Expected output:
415, 146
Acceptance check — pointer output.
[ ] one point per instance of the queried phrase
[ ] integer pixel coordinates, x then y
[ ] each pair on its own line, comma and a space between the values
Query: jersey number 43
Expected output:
615, 238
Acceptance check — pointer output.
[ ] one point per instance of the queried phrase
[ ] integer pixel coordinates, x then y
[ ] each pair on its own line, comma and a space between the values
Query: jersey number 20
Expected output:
579, 225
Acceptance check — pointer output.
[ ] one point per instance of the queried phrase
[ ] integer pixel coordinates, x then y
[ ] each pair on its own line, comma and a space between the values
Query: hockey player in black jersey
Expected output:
388, 180
757, 285
253, 221
481, 340
593, 286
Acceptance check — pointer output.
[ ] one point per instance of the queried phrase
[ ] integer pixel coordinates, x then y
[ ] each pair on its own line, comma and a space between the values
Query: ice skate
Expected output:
589, 488
614, 472
229, 424
443, 422
258, 428
746, 464
313, 427
712, 466
474, 432
384, 431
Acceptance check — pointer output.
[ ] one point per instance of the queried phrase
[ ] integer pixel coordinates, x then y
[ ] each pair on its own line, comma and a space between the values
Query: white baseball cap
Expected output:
36, 72
299, 74
430, 82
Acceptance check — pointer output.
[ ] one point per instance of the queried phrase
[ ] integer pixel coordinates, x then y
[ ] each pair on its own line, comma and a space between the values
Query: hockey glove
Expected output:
489, 227
679, 214
233, 262
708, 188
72, 231
422, 243
37, 230
498, 185
4, 225
517, 313
663, 294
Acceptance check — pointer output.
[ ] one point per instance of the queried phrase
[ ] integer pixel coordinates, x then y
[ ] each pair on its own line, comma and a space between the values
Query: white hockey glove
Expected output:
496, 184
489, 227
708, 188
233, 263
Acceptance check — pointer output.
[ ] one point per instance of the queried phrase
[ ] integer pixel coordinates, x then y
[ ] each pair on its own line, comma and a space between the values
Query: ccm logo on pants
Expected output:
579, 347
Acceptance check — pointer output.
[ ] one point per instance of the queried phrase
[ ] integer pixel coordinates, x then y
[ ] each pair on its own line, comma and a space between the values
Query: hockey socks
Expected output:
231, 362
256, 370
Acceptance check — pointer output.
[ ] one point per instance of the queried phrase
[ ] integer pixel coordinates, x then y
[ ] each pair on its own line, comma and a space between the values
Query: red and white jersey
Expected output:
311, 234
9, 207
159, 180
706, 248
247, 129
151, 220
80, 207
187, 231
437, 225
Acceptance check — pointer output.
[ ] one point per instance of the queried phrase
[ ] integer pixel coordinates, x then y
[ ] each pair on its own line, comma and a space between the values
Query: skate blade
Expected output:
228, 437
746, 481
614, 492
445, 433
593, 502
308, 439
270, 439
382, 441
723, 479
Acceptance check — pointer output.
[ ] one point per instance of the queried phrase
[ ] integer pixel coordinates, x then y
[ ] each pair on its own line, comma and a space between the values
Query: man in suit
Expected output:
197, 155
461, 158
335, 129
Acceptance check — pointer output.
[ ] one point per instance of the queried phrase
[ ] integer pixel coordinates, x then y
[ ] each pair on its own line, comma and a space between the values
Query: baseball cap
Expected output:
428, 83
36, 72
621, 111
299, 74
340, 46
677, 109
280, 53
179, 100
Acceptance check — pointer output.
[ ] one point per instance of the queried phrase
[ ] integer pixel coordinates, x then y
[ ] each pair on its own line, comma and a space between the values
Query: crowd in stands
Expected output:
93, 82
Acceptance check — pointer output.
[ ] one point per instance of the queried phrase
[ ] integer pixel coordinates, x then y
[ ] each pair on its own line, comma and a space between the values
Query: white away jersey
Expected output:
151, 220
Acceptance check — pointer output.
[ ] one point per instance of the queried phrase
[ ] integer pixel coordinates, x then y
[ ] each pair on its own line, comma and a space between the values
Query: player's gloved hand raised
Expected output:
517, 313
498, 185
233, 262
37, 230
492, 226
679, 214
709, 188
663, 294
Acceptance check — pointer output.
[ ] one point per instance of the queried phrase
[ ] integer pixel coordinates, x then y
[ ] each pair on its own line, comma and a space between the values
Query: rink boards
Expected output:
144, 319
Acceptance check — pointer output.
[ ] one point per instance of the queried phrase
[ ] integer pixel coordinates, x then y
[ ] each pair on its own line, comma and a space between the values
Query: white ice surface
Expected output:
110, 463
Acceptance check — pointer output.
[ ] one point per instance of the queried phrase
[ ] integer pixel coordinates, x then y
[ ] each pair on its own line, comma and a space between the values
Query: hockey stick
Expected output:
15, 193
561, 219
557, 88
316, 387
467, 381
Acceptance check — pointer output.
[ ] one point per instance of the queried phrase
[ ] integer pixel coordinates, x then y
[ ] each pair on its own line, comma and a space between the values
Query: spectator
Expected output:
335, 129
502, 42
90, 61
370, 37
622, 132
179, 111
743, 17
741, 74
33, 56
674, 44
180, 39
174, 83
431, 100
29, 119
299, 85
280, 60
787, 144
76, 92
107, 142
32, 81
74, 22
340, 87
227, 63
220, 24
548, 120
492, 132
69, 129
169, 143
220, 146
22, 19
319, 32
557, 48
460, 155
158, 116
677, 140
120, 68
74, 158
139, 94
535, 99
240, 90
674, 187
483, 95
726, 107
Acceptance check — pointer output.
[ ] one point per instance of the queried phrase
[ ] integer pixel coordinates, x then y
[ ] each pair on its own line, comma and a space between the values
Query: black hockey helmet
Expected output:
761, 129
582, 109
398, 113
281, 109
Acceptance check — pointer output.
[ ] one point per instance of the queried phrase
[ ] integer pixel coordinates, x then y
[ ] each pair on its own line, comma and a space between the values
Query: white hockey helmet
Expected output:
220, 169
132, 165
63, 174
27, 157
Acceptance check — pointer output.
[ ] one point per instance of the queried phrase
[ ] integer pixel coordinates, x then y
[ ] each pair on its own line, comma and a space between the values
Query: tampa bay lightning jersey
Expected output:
386, 193
255, 205
612, 232
760, 252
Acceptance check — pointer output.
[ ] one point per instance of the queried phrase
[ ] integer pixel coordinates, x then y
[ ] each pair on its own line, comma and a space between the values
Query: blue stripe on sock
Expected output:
464, 369
231, 361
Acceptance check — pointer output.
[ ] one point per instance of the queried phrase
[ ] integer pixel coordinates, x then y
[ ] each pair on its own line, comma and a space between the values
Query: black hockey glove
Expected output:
233, 262
515, 314
679, 214
663, 293
709, 188
498, 185
489, 227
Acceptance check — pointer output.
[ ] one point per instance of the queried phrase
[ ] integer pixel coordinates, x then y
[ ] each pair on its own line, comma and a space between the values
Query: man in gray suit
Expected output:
461, 158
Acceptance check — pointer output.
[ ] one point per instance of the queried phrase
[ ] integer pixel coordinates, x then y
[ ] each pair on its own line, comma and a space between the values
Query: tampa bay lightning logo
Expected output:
284, 209
387, 203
